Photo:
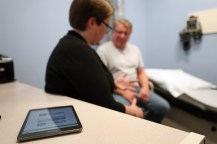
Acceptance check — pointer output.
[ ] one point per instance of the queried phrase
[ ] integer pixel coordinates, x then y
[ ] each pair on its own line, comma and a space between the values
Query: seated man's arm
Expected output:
144, 84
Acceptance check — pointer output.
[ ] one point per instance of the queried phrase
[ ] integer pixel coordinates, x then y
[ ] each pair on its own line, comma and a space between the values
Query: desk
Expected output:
100, 125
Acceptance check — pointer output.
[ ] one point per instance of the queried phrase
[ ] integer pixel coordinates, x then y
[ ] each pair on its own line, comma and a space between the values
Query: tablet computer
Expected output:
46, 122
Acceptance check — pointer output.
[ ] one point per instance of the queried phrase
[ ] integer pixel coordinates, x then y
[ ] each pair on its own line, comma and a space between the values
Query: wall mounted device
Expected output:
6, 69
192, 30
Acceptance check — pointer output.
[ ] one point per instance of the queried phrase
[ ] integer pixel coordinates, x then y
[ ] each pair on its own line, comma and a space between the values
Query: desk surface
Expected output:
100, 125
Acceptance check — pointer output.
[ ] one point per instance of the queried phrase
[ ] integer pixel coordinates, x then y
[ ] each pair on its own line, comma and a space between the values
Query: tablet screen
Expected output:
52, 121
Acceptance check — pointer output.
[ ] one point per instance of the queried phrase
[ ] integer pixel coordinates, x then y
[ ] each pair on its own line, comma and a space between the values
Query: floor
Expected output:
187, 122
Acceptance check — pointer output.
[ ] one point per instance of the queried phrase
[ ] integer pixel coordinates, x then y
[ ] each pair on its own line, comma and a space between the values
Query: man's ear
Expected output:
91, 22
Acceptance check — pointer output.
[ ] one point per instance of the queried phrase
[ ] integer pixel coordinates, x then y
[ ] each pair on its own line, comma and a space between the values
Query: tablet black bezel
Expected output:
48, 133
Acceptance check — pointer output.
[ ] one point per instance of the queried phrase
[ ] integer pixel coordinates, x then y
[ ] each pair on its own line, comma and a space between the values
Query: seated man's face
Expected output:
120, 36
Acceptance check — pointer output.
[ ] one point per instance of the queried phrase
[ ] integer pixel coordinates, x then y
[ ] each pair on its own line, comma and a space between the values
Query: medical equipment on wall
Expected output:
192, 30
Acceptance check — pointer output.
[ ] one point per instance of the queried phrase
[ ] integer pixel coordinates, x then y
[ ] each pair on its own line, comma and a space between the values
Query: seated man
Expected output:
121, 58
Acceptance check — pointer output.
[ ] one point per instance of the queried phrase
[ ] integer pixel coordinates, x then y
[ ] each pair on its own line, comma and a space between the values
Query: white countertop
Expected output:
100, 125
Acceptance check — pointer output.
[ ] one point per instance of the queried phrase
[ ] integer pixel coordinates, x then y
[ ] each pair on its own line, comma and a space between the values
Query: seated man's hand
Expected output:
144, 95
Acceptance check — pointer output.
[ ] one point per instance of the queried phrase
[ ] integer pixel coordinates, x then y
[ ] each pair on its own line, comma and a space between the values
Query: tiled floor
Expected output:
187, 122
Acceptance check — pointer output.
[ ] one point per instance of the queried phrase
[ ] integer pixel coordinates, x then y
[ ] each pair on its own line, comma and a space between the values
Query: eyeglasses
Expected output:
109, 28
122, 32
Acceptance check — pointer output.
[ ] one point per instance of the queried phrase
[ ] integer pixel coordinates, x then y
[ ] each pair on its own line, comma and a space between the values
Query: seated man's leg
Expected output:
157, 106
121, 99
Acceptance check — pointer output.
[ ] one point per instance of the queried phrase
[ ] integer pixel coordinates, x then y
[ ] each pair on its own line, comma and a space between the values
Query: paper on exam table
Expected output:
176, 81
205, 96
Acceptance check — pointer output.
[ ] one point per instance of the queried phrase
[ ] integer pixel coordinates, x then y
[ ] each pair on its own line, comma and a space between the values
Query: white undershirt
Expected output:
121, 61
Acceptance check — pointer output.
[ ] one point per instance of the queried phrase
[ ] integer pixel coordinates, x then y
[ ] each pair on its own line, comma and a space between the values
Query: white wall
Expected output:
29, 30
166, 20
